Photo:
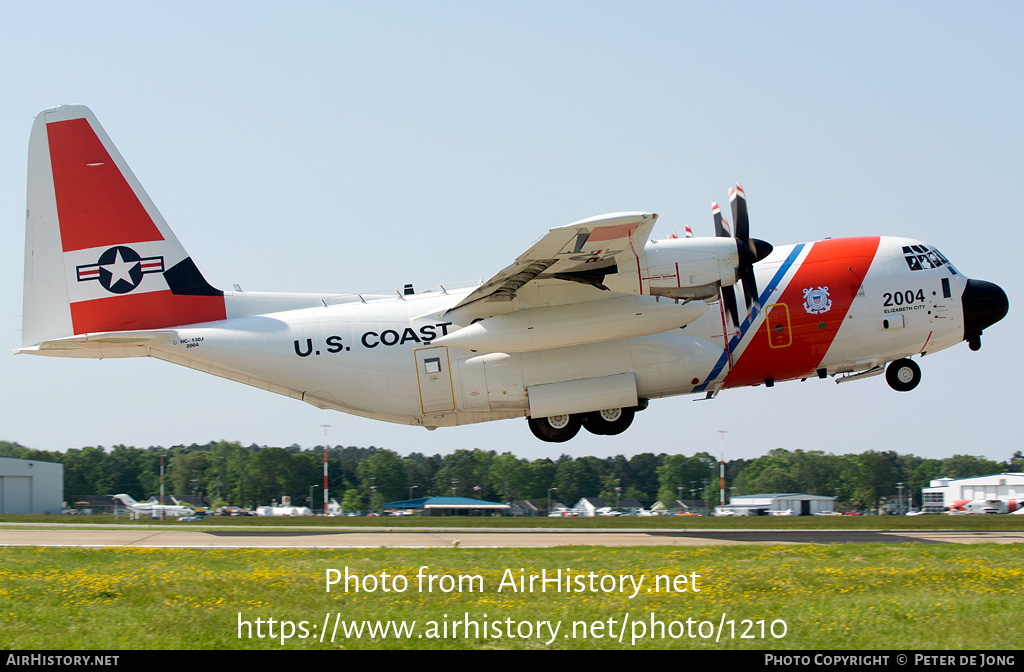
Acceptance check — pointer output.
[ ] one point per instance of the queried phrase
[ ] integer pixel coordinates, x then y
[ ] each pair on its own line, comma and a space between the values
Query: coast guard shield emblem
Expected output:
816, 301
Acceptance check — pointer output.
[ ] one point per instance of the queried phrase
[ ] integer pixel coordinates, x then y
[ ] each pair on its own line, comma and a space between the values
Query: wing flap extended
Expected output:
584, 252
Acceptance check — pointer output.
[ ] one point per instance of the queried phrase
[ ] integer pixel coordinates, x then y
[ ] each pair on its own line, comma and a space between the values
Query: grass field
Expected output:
849, 596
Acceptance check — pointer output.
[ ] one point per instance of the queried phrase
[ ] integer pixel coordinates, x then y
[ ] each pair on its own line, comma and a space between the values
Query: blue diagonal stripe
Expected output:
735, 340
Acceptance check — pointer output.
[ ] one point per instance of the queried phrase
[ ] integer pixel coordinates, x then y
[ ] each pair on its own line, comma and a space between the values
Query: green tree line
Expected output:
229, 473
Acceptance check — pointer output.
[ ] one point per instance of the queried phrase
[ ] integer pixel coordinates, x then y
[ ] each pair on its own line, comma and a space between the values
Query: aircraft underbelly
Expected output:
317, 360
659, 365
366, 369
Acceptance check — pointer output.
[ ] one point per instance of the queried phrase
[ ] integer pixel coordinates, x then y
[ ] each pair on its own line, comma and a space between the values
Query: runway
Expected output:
252, 537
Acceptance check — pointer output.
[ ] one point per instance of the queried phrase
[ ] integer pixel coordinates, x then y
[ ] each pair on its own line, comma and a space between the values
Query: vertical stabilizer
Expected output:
127, 500
98, 255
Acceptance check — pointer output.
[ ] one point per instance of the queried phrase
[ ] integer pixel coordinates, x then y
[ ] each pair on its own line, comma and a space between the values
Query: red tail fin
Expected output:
98, 254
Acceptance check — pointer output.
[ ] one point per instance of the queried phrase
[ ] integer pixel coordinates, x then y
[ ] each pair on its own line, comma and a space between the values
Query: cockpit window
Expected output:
921, 257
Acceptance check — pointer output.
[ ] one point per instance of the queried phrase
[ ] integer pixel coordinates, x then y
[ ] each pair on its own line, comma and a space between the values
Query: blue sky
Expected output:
344, 147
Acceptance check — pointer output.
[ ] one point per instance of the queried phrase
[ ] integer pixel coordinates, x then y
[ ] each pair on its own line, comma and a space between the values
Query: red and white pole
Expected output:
721, 469
161, 487
325, 467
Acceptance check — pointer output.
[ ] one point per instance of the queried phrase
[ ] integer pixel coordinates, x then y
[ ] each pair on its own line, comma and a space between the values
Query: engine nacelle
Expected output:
679, 268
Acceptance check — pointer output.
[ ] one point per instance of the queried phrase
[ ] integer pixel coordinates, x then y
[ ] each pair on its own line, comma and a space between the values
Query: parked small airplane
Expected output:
982, 506
581, 330
153, 508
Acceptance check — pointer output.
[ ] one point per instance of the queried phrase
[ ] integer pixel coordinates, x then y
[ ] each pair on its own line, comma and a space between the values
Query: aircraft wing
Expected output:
582, 252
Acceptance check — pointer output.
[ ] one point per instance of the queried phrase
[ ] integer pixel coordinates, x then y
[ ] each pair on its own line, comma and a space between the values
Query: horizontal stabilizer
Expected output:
101, 345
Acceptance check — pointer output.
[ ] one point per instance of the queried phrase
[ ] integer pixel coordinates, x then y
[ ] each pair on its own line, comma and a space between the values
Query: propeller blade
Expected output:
750, 286
728, 292
738, 200
729, 296
721, 226
751, 250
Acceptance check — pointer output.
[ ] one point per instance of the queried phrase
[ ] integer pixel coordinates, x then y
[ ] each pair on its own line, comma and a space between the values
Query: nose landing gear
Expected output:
903, 375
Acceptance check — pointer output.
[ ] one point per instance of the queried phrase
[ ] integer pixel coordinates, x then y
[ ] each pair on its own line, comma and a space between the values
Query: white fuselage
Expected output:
375, 356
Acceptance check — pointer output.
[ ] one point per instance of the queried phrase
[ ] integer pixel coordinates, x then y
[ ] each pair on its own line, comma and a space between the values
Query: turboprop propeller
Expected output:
751, 251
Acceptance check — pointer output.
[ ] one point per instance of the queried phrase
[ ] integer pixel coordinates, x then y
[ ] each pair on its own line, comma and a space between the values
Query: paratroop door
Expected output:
433, 373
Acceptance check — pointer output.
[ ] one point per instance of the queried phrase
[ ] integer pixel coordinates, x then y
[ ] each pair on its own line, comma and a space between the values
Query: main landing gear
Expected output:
903, 375
559, 428
556, 428
608, 422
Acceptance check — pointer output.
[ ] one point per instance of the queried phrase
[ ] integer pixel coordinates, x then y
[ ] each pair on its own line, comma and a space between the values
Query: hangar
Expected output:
30, 486
944, 491
447, 506
797, 504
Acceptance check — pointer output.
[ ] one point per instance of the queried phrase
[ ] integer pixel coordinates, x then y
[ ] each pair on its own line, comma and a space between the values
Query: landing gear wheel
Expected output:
555, 429
903, 375
608, 422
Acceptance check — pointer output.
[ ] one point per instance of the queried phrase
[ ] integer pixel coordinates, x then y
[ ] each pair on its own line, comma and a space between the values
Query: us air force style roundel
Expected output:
816, 300
120, 269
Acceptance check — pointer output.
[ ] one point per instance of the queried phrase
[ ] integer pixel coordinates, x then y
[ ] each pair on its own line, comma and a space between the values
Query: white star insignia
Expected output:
120, 269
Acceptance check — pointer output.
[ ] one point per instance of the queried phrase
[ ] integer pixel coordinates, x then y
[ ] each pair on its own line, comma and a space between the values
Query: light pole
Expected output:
899, 497
721, 470
549, 499
325, 469
161, 486
311, 496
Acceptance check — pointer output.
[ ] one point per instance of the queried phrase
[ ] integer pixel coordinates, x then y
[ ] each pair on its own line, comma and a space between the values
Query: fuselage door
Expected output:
780, 333
434, 376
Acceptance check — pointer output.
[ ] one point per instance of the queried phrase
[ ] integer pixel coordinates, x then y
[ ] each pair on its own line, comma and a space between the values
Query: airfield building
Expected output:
588, 506
797, 504
944, 491
447, 506
30, 486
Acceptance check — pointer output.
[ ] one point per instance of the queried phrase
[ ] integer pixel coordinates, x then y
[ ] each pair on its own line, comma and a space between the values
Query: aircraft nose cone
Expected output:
985, 303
